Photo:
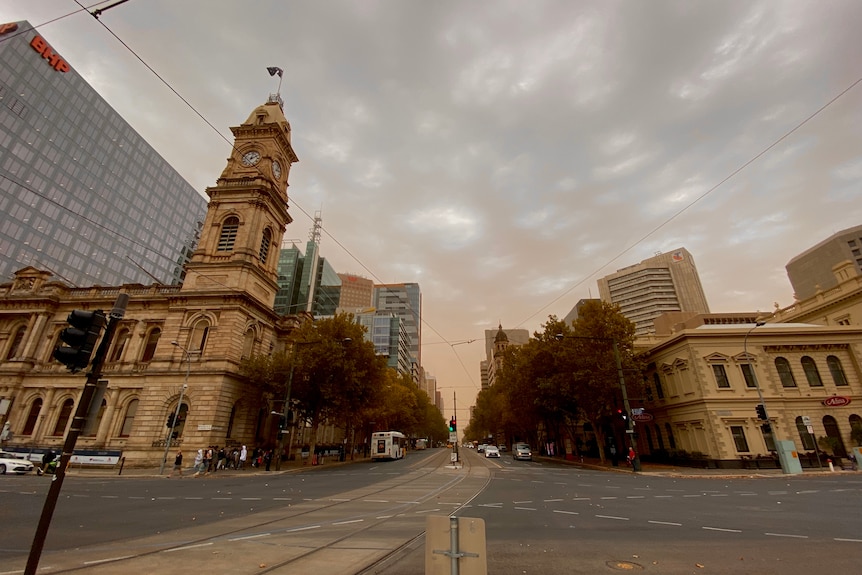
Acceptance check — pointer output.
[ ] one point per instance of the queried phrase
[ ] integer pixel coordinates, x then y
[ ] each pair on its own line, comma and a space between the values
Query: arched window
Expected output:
265, 242
784, 372
806, 438
670, 437
17, 340
658, 389
95, 430
248, 344
836, 370
32, 417
129, 418
834, 435
649, 438
152, 342
199, 336
659, 437
811, 372
120, 346
230, 421
228, 234
63, 418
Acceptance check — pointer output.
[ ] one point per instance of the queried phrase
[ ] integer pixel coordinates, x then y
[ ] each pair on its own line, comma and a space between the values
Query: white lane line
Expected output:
724, 530
375, 501
410, 502
612, 487
341, 500
250, 499
787, 535
348, 522
302, 529
384, 517
612, 497
547, 500
848, 540
110, 496
666, 523
496, 505
613, 517
529, 501
93, 562
566, 512
525, 508
663, 496
165, 498
221, 498
581, 499
693, 495
807, 491
428, 510
635, 496
249, 537
187, 547
192, 498
748, 494
719, 495
778, 492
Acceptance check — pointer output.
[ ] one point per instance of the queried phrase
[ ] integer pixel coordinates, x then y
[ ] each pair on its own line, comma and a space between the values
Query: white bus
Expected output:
387, 445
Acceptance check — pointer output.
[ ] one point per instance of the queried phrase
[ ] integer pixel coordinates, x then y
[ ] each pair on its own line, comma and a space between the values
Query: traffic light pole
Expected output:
77, 425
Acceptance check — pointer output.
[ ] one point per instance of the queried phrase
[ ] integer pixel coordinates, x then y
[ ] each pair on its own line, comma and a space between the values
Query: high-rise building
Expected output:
811, 271
388, 332
356, 292
82, 194
307, 283
405, 300
664, 283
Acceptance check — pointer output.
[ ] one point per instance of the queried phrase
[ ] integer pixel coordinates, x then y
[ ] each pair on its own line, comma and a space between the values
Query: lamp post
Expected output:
188, 358
636, 462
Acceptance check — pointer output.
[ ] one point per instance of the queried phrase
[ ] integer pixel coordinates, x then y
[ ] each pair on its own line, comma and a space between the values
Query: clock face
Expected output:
251, 158
276, 169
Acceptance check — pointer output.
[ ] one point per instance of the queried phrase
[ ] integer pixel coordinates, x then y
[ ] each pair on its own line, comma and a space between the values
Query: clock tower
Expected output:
247, 214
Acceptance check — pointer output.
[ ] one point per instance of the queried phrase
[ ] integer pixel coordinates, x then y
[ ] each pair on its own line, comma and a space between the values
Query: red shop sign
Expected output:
642, 417
836, 401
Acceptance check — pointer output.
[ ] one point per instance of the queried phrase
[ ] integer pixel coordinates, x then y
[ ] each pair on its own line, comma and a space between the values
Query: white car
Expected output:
492, 451
11, 463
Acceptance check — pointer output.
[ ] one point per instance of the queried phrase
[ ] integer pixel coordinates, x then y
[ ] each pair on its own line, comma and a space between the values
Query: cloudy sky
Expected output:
505, 155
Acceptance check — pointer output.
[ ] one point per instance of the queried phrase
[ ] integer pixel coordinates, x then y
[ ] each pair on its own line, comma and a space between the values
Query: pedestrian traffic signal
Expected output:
452, 425
171, 420
80, 339
761, 411
621, 413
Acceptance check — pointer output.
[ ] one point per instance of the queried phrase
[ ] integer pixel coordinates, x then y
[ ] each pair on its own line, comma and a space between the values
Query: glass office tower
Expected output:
82, 195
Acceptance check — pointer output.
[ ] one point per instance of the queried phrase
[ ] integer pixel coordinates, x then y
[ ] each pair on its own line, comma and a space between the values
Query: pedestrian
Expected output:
221, 459
199, 461
631, 457
47, 458
243, 455
614, 455
178, 463
267, 458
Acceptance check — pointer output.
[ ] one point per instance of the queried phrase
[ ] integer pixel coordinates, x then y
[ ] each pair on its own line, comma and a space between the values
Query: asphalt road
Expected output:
540, 517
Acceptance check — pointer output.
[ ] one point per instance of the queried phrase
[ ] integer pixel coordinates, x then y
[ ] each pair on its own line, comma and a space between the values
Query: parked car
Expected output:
491, 451
502, 448
481, 448
522, 452
11, 463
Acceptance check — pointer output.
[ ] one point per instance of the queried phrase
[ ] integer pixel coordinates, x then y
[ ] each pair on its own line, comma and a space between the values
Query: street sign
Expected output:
637, 410
806, 421
453, 437
810, 429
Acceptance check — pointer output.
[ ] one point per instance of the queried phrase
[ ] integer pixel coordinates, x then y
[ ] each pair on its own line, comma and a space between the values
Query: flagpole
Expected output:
279, 83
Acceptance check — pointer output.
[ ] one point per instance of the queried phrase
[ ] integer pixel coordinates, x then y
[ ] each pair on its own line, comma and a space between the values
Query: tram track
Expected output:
344, 533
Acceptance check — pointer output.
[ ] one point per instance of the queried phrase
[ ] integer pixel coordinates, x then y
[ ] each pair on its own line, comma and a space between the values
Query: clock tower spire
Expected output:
247, 214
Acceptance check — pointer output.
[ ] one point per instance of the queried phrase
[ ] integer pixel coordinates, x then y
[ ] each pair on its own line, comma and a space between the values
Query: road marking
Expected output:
719, 495
663, 496
193, 498
276, 498
777, 492
187, 547
302, 528
165, 498
666, 523
110, 496
693, 495
529, 501
250, 499
612, 517
635, 496
748, 494
611, 497
428, 510
375, 501
249, 537
348, 522
848, 540
546, 501
495, 505
383, 517
94, 562
566, 512
807, 491
581, 499
342, 500
525, 508
787, 535
724, 530
222, 498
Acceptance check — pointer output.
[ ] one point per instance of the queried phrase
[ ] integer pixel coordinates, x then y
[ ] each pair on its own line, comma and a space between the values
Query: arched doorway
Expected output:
832, 432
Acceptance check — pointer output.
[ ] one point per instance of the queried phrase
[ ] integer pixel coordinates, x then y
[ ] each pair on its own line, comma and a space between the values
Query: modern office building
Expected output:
388, 332
82, 195
357, 292
405, 300
812, 270
307, 283
665, 283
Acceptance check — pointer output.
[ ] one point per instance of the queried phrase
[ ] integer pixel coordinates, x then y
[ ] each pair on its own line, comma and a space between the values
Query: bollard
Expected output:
831, 467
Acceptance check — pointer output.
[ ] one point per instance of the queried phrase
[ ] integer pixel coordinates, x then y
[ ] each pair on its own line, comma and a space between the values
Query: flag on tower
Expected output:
273, 71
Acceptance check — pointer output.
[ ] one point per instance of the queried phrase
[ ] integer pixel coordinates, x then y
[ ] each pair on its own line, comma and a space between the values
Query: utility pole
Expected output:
78, 423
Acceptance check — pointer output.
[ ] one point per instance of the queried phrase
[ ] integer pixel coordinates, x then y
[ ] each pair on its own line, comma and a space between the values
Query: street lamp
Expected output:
636, 462
188, 358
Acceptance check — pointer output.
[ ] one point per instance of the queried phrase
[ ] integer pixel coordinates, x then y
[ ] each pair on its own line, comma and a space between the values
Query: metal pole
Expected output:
286, 411
453, 544
72, 437
636, 461
185, 386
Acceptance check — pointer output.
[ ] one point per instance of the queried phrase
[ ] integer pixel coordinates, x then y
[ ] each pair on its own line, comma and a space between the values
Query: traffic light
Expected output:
622, 414
766, 428
171, 420
80, 339
761, 411
452, 425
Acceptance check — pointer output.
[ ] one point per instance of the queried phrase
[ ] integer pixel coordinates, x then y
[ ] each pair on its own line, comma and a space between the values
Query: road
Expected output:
540, 517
